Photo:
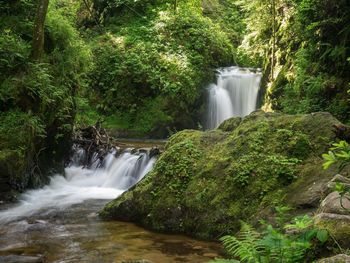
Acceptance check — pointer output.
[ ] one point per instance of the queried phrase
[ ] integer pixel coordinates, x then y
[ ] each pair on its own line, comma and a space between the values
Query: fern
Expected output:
273, 245
247, 246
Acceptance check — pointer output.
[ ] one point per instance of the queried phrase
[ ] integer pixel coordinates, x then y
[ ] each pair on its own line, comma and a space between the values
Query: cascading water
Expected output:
59, 222
112, 177
234, 95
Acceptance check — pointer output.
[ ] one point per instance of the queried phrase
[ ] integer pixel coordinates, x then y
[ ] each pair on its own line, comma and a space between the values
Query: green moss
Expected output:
230, 124
205, 182
338, 227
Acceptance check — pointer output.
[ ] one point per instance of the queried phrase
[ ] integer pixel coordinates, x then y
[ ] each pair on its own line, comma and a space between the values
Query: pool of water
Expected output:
76, 234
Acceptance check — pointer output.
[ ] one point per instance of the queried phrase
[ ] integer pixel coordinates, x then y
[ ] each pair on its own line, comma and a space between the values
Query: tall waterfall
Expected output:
108, 180
234, 95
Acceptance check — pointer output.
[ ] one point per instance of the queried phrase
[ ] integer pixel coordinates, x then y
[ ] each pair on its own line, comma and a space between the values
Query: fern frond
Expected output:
247, 246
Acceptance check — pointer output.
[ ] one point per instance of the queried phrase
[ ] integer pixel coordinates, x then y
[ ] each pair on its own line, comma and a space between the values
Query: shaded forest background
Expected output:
142, 67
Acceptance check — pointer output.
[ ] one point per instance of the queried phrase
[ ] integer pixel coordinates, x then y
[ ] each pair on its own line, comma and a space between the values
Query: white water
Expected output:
79, 184
234, 95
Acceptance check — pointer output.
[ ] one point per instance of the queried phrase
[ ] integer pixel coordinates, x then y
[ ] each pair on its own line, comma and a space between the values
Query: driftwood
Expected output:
95, 142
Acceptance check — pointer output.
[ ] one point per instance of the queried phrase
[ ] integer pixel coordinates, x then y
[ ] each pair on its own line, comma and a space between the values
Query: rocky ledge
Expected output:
206, 182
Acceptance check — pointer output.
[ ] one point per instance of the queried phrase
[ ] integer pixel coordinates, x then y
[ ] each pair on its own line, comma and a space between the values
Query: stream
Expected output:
59, 222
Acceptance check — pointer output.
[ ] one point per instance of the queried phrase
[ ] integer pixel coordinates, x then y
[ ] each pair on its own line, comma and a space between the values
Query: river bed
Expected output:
59, 222
76, 234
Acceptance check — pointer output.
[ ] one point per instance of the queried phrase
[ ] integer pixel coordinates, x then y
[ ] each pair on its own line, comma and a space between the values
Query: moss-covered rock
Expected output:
337, 225
341, 258
230, 124
205, 182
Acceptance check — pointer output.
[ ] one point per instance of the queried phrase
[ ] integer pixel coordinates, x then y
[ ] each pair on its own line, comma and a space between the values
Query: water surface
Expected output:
76, 234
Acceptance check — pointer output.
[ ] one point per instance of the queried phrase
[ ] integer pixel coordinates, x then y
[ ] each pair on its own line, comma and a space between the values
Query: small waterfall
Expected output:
234, 95
105, 180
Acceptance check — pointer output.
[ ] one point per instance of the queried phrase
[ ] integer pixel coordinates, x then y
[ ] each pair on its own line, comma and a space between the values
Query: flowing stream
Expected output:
59, 222
234, 95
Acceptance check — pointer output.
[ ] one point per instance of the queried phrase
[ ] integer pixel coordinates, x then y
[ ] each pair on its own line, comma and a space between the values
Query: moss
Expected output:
338, 227
230, 124
205, 182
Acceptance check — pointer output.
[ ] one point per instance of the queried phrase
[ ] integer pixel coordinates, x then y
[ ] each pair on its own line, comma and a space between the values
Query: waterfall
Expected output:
234, 95
107, 180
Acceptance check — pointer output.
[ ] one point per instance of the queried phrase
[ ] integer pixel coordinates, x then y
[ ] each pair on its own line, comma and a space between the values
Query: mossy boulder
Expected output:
337, 225
206, 182
230, 124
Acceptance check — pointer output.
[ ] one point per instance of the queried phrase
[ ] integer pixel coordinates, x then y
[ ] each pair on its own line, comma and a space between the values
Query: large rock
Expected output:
336, 204
338, 178
230, 124
205, 182
341, 258
337, 225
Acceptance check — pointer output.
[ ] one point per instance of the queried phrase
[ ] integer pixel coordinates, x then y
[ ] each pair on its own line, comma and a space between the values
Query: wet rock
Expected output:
341, 258
154, 152
337, 225
332, 204
21, 259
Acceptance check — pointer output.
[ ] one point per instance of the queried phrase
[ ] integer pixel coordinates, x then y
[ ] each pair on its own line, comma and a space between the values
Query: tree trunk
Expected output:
273, 39
175, 6
38, 35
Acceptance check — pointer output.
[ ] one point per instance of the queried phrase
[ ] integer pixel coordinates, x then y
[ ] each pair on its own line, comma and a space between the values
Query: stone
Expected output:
230, 124
21, 259
341, 258
205, 182
332, 204
341, 179
337, 225
338, 178
311, 194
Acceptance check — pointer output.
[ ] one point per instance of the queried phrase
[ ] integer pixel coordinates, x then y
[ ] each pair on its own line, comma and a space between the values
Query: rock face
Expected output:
341, 258
337, 225
21, 259
333, 203
205, 182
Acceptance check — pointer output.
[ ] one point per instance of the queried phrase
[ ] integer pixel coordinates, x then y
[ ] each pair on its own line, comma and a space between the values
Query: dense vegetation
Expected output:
152, 62
142, 68
306, 53
37, 97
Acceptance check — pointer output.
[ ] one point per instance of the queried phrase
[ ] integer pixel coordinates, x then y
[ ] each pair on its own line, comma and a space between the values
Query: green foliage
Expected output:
13, 52
18, 130
239, 174
338, 154
305, 58
275, 244
163, 58
246, 247
182, 157
37, 99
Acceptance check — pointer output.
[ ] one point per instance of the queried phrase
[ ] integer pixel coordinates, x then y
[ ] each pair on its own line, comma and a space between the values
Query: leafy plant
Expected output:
288, 243
339, 154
